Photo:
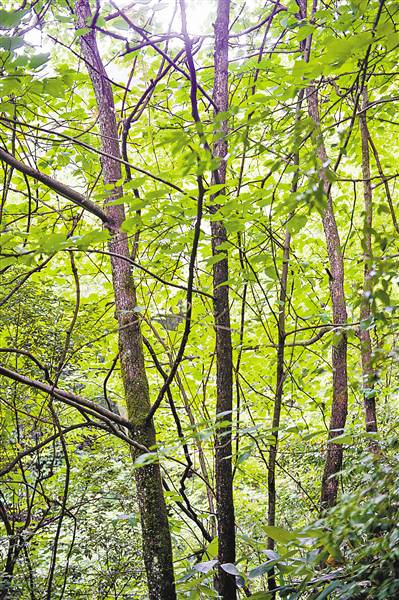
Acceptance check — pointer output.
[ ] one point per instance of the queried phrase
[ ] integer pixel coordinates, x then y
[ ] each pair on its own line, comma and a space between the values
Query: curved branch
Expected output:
313, 339
147, 271
91, 149
67, 397
64, 190
41, 444
32, 358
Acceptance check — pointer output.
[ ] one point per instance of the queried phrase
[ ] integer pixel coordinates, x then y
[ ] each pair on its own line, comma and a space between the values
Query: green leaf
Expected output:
216, 258
327, 591
304, 31
54, 86
345, 438
39, 59
82, 31
212, 548
261, 569
280, 535
230, 568
146, 459
91, 238
11, 43
369, 392
120, 23
207, 591
7, 107
243, 456
10, 19
53, 242
383, 296
297, 223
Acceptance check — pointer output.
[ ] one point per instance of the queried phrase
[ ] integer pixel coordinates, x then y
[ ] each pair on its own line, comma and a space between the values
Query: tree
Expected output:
224, 357
365, 338
157, 546
198, 261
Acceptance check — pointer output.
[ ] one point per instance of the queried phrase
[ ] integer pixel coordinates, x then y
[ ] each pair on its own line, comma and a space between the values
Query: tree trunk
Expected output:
339, 408
157, 547
280, 374
14, 547
224, 362
365, 312
280, 370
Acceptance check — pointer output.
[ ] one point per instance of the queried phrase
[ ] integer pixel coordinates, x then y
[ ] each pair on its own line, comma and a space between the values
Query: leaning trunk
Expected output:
157, 547
224, 362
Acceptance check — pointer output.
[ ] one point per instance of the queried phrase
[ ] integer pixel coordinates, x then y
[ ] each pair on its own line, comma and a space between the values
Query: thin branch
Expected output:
68, 398
64, 190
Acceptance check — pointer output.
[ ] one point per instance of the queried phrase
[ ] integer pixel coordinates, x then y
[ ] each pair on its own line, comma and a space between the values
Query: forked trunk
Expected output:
157, 547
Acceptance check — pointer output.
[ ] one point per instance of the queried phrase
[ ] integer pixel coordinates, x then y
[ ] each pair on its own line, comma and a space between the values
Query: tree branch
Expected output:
68, 398
54, 184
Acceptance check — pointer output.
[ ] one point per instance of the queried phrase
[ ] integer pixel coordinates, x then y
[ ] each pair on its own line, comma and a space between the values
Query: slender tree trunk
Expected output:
339, 408
201, 456
280, 374
157, 547
6, 577
224, 361
280, 370
365, 312
385, 181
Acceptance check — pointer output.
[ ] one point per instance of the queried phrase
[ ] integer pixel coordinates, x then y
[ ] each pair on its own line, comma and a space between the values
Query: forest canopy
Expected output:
198, 305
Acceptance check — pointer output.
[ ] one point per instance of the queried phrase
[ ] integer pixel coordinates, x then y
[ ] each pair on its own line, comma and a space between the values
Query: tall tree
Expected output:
255, 253
365, 310
157, 547
224, 358
339, 408
280, 353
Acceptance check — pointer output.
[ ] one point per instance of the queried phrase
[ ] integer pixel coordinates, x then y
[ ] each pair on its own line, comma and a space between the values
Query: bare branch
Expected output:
64, 190
67, 397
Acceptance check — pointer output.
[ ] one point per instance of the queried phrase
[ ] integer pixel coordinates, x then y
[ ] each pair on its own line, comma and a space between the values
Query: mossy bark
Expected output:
157, 547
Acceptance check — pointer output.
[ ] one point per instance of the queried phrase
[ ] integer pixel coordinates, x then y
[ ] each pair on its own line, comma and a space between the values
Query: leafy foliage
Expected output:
70, 516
